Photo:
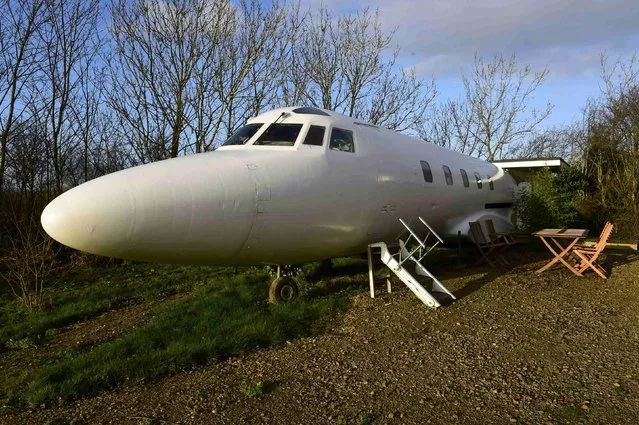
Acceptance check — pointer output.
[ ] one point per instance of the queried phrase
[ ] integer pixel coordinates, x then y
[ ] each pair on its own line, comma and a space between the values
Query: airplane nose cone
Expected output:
93, 217
197, 209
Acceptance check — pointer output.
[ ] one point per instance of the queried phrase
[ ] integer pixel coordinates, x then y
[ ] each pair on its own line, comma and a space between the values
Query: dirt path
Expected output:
517, 347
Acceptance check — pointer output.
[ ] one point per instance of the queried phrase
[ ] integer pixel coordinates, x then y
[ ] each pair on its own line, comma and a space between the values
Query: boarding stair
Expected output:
405, 261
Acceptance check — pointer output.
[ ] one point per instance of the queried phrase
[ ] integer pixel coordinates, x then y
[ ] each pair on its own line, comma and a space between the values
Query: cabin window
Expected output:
448, 175
342, 140
491, 185
242, 135
478, 179
428, 174
464, 175
315, 136
279, 135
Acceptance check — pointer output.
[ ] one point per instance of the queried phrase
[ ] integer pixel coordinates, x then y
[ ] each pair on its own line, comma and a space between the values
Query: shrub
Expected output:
27, 264
551, 200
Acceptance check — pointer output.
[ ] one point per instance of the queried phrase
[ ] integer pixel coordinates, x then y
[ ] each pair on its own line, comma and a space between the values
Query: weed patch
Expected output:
21, 344
254, 390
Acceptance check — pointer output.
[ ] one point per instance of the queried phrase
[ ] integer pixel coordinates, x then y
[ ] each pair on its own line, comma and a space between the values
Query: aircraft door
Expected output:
351, 180
385, 220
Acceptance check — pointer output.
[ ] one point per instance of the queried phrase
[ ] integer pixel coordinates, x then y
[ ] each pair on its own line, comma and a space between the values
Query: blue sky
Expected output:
440, 37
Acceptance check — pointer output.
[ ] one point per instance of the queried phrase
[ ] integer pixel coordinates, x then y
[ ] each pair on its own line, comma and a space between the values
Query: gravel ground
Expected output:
516, 347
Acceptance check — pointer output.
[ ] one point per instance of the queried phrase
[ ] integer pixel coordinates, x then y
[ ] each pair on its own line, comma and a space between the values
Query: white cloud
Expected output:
439, 37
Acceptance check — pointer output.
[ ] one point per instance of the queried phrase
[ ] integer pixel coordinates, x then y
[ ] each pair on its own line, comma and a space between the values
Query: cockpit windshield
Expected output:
279, 135
242, 135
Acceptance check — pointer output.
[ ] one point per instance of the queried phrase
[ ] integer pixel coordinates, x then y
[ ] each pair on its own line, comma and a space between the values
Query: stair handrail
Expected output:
412, 233
431, 230
423, 246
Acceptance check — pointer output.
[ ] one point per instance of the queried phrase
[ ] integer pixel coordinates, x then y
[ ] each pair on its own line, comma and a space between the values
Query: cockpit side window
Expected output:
342, 140
279, 135
315, 136
242, 135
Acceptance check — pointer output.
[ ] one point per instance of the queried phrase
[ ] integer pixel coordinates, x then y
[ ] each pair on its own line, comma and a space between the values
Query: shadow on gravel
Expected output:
347, 273
476, 284
618, 257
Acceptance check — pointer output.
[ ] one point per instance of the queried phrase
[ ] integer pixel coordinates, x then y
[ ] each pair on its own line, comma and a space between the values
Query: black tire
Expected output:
282, 289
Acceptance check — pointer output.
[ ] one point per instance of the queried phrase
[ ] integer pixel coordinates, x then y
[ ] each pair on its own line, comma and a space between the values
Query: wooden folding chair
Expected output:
587, 256
486, 247
494, 236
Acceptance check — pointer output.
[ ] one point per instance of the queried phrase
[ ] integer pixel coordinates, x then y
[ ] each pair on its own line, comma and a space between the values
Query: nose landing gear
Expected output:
283, 289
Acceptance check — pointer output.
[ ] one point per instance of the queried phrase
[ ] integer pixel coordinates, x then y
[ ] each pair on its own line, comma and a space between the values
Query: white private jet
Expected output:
293, 185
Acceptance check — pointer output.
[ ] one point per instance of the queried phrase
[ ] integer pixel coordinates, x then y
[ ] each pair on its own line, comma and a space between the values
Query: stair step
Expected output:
405, 264
442, 297
427, 284
425, 281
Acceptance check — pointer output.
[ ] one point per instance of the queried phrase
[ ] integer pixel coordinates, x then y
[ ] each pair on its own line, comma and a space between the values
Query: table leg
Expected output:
565, 252
559, 256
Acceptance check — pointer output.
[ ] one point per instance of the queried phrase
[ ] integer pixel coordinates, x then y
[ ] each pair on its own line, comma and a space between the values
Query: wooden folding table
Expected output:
570, 238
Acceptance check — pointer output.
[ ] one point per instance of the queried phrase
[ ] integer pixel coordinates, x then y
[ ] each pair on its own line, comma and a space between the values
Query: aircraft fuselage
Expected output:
266, 202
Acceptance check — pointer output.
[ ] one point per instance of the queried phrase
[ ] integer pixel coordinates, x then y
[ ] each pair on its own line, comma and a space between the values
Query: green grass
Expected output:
219, 314
86, 294
225, 317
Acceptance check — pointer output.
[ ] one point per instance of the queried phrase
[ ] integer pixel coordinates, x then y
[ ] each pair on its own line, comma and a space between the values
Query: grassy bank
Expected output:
81, 295
219, 314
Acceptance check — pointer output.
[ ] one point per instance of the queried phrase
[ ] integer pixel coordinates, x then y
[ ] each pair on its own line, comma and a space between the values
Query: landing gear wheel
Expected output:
283, 289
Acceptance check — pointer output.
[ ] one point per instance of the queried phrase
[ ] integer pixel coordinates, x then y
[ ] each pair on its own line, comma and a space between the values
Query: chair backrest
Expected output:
477, 233
603, 238
490, 227
604, 230
606, 233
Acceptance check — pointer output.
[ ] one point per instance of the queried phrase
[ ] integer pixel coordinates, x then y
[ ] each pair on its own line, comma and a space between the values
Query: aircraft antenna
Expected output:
282, 115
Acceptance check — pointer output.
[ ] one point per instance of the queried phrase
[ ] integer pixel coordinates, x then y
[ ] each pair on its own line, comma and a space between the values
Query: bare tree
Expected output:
612, 150
85, 113
19, 21
621, 91
26, 170
448, 126
249, 61
566, 142
319, 62
168, 66
399, 101
293, 80
67, 36
494, 113
347, 64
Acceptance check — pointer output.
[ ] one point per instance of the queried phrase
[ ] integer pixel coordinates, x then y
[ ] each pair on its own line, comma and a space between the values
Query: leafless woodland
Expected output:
90, 87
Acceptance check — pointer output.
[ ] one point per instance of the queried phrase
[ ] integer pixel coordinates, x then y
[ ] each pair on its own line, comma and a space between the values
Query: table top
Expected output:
562, 233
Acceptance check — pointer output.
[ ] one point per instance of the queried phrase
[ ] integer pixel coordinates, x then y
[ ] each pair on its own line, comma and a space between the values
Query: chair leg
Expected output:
484, 257
600, 271
578, 261
502, 256
586, 263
